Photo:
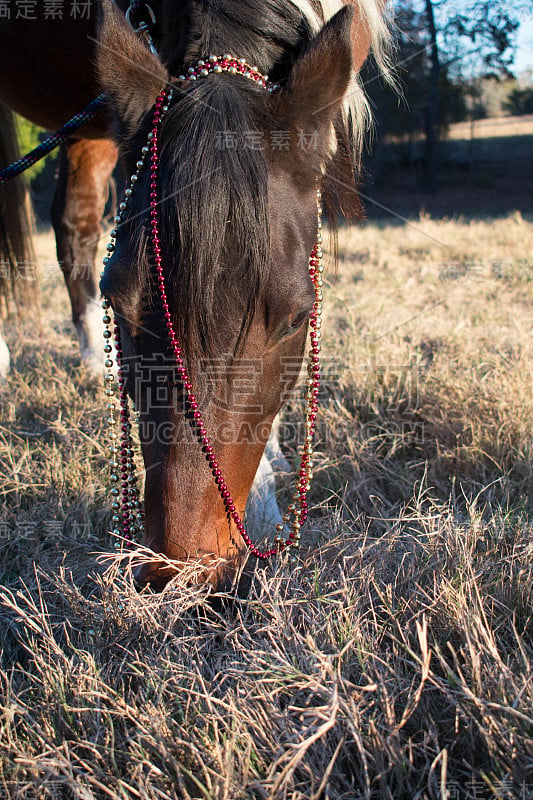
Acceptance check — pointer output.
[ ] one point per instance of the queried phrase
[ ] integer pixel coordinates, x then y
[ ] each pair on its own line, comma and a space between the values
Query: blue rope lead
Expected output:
53, 141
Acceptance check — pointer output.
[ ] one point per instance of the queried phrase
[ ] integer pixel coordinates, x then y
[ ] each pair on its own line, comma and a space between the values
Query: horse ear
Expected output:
129, 73
318, 82
361, 36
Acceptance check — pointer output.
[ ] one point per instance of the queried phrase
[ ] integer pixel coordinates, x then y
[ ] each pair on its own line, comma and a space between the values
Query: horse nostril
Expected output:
139, 581
155, 574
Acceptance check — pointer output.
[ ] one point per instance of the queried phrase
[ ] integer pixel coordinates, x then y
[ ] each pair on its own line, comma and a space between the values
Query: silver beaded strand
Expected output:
129, 527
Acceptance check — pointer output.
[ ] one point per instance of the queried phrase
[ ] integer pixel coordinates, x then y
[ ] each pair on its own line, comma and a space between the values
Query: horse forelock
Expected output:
214, 175
215, 221
214, 181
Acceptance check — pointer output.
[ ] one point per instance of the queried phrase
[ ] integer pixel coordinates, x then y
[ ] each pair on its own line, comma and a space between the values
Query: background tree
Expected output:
520, 101
445, 49
475, 40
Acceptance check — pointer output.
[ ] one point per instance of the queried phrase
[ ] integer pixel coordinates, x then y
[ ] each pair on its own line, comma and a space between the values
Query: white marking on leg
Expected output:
262, 510
5, 359
273, 449
90, 330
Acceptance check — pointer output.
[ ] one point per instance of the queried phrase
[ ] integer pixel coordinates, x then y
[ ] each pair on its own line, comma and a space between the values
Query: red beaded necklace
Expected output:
132, 517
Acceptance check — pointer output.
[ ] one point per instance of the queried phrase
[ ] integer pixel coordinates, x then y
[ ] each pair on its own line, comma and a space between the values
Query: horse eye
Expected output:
298, 320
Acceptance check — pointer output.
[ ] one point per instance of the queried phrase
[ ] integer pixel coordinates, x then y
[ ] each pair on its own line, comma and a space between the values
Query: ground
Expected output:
394, 660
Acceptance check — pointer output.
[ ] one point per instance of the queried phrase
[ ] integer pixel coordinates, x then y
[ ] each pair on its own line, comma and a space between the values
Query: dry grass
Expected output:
395, 660
496, 126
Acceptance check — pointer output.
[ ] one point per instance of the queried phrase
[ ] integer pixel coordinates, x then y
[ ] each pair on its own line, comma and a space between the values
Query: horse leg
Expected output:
85, 169
18, 290
262, 510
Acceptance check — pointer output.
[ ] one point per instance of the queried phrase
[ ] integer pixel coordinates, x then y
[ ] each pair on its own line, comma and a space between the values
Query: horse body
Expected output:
46, 78
237, 226
48, 81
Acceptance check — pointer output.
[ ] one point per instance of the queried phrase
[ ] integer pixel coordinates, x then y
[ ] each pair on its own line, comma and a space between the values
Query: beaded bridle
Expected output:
126, 498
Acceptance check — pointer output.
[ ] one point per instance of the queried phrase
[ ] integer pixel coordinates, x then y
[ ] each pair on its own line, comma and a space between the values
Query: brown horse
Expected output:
48, 77
238, 172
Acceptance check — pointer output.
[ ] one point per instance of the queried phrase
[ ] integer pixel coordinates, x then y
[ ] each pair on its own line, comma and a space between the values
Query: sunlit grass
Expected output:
395, 660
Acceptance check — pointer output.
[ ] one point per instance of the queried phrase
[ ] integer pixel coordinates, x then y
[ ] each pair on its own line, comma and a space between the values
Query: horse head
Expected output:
232, 183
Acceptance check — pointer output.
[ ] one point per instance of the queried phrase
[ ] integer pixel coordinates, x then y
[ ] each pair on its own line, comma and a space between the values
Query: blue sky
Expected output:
524, 57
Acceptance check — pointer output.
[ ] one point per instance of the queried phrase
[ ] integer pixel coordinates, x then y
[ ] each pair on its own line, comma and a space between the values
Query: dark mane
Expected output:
214, 188
215, 222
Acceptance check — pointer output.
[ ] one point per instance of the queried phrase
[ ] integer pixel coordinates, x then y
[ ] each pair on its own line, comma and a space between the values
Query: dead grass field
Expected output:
395, 661
494, 126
